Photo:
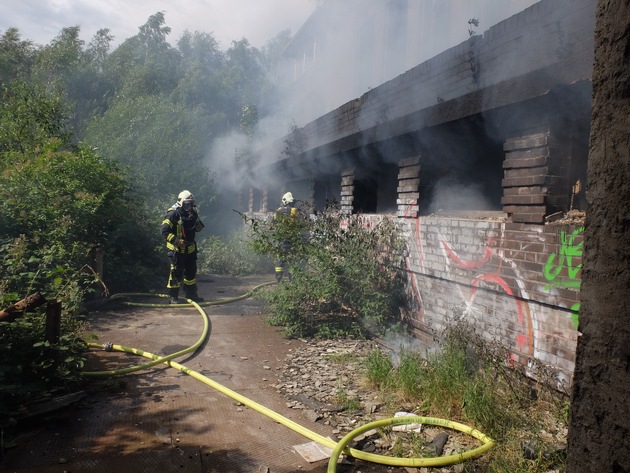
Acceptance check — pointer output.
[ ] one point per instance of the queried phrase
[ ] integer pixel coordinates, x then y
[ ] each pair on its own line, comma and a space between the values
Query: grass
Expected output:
466, 383
347, 403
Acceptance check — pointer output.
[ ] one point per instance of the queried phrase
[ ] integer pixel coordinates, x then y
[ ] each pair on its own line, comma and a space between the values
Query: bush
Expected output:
345, 269
33, 369
233, 255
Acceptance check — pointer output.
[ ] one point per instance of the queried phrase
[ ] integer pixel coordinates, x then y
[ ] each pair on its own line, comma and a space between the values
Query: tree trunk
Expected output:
28, 303
599, 430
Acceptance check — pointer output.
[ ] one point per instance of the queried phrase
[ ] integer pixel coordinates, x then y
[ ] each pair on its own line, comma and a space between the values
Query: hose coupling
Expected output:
109, 346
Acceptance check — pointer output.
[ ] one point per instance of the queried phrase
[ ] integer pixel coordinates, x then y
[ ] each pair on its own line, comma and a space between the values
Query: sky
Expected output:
228, 20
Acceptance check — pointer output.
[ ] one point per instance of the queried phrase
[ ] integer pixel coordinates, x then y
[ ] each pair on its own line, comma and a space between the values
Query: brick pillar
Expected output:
311, 193
535, 178
250, 200
264, 200
408, 187
347, 191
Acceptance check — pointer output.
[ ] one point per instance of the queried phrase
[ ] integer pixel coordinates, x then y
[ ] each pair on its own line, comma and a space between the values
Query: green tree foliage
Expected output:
57, 204
145, 64
29, 116
15, 57
243, 76
160, 141
56, 63
345, 270
202, 62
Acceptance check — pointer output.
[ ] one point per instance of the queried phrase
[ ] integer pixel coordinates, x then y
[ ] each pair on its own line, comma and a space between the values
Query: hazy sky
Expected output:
228, 20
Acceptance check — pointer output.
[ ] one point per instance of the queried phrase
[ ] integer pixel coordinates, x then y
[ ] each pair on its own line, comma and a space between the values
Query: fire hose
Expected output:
338, 448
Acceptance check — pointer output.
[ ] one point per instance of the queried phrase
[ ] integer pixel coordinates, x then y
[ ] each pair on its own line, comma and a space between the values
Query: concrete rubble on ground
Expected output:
322, 373
319, 376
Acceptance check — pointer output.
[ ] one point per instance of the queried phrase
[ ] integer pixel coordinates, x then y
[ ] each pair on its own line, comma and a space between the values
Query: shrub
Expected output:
33, 369
345, 272
233, 255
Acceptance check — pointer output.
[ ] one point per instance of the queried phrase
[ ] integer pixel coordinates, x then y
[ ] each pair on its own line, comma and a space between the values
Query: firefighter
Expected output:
288, 209
178, 229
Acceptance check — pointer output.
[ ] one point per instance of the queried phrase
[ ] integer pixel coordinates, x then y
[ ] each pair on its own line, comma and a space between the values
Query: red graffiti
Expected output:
469, 264
521, 339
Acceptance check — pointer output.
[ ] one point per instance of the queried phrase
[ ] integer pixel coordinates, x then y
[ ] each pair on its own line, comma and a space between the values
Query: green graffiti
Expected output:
568, 251
575, 309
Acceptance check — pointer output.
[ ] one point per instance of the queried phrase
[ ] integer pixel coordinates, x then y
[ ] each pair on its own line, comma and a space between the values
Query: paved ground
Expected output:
162, 420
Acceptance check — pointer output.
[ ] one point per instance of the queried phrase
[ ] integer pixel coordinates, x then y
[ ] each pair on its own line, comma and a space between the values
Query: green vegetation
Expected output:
94, 146
468, 382
231, 255
345, 273
347, 403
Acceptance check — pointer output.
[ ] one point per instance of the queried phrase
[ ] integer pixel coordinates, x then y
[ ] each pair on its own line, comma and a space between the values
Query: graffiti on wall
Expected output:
491, 284
524, 337
563, 260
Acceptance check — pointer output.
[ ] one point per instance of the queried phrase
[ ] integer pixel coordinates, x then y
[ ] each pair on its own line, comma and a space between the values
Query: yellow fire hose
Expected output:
338, 448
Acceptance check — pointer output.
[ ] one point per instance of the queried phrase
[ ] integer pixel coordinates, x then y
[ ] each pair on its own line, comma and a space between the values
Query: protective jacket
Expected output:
282, 213
180, 225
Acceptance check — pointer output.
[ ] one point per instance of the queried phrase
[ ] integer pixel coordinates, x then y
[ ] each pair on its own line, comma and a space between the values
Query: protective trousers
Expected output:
183, 269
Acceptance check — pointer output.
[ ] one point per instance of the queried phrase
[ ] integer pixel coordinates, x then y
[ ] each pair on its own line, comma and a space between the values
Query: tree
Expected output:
15, 57
59, 201
161, 142
145, 64
29, 117
243, 76
202, 62
98, 49
600, 419
56, 62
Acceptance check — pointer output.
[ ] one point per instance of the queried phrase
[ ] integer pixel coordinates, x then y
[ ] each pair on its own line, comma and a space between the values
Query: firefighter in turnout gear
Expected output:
288, 209
178, 229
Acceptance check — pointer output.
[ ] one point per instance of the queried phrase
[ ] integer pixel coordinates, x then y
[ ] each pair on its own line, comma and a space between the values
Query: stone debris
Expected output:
322, 378
318, 377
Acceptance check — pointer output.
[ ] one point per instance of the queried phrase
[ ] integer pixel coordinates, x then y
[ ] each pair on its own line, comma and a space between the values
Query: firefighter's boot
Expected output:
174, 296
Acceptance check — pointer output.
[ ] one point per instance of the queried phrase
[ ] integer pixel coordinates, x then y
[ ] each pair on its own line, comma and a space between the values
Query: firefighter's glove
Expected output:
179, 243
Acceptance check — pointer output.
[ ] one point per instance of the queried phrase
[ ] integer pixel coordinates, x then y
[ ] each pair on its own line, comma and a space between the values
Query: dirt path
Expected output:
163, 420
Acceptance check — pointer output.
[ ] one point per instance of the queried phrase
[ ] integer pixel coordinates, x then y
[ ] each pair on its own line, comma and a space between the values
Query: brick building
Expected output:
480, 152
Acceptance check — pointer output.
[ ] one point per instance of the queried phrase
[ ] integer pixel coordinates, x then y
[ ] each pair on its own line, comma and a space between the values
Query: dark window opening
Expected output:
364, 196
387, 188
326, 190
376, 178
461, 168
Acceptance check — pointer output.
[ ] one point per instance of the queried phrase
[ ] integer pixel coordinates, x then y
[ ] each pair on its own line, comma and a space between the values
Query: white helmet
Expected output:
186, 199
287, 198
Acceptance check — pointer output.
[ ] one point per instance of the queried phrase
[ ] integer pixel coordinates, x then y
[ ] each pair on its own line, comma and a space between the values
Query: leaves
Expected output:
345, 271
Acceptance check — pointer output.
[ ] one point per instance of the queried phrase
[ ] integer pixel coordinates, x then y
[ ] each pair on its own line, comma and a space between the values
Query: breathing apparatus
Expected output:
186, 201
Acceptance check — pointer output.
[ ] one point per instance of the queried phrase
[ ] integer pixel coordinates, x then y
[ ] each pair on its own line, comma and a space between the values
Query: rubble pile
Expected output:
323, 376
326, 381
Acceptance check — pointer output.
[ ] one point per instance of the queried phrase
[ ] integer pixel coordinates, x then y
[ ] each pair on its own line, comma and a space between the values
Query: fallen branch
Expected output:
28, 303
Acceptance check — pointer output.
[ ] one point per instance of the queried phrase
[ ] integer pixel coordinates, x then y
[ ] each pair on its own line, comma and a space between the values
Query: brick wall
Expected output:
520, 58
517, 284
515, 279
536, 179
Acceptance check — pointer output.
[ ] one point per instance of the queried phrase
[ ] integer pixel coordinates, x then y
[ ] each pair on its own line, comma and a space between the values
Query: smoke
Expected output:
347, 48
449, 194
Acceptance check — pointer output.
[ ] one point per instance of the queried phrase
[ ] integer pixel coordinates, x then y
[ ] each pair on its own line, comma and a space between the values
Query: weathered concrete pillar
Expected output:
311, 192
250, 200
408, 187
